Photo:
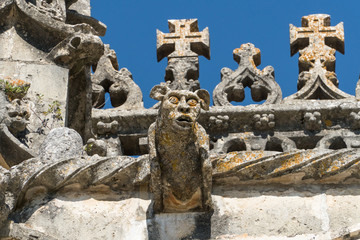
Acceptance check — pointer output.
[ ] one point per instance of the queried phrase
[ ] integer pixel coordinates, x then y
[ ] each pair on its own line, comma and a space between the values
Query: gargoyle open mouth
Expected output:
184, 121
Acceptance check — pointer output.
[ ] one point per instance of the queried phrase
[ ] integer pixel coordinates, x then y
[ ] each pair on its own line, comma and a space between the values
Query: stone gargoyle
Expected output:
181, 172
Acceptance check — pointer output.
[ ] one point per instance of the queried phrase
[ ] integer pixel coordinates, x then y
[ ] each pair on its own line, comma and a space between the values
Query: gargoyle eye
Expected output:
173, 100
192, 102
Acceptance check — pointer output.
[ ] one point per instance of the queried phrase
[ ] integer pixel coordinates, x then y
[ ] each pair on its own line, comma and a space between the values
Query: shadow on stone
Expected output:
192, 225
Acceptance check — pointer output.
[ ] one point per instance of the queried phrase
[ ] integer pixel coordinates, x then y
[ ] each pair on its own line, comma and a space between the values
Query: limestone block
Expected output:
91, 217
343, 208
15, 47
263, 212
269, 214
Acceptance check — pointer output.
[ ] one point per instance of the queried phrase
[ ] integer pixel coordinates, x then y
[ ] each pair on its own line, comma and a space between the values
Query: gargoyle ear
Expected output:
204, 98
158, 92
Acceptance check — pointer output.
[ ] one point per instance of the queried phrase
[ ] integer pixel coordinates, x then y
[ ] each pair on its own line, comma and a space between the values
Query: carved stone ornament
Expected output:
317, 41
264, 121
124, 92
312, 121
262, 83
179, 152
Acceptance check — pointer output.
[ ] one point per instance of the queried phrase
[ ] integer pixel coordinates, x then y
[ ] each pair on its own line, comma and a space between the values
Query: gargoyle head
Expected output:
179, 108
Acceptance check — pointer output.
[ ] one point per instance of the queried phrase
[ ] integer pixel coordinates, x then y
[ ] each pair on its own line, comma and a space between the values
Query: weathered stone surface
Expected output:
249, 213
96, 147
18, 116
312, 121
12, 150
317, 41
344, 201
307, 212
179, 152
4, 208
288, 118
182, 74
117, 217
61, 143
261, 213
262, 83
77, 51
34, 73
34, 32
21, 231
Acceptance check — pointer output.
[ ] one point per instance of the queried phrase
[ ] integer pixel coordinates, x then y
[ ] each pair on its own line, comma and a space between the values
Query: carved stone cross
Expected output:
184, 40
316, 41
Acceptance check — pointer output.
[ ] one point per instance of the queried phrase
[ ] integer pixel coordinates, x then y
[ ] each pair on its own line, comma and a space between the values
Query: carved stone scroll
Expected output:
124, 92
262, 83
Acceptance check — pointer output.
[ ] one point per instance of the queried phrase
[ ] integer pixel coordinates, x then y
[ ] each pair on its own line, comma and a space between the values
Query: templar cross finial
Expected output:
316, 42
182, 46
184, 40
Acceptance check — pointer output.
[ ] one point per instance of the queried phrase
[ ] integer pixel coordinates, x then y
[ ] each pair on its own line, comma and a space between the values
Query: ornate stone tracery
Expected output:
262, 83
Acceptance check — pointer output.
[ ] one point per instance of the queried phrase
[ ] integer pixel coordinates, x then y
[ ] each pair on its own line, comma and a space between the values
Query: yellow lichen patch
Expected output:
203, 139
336, 165
294, 160
172, 115
329, 165
174, 164
234, 159
328, 123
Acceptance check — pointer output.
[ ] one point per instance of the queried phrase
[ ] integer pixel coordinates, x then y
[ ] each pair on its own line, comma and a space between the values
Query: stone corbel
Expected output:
262, 83
77, 51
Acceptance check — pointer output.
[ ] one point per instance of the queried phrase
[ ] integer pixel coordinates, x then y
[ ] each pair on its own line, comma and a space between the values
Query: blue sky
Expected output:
132, 28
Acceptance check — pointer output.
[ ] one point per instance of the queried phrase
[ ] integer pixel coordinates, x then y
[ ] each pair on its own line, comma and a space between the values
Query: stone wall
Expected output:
246, 212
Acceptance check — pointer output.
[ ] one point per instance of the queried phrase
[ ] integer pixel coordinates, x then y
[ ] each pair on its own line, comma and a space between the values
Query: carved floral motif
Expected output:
312, 121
